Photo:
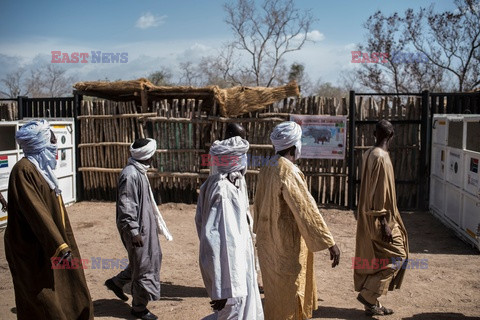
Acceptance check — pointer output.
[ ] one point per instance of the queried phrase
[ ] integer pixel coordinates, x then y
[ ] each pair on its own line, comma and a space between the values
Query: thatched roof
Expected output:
231, 102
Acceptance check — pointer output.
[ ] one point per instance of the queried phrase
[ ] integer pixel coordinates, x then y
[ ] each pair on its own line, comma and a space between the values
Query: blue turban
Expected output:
34, 139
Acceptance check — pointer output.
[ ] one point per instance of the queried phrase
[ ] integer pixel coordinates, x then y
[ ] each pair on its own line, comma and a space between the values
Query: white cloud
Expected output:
148, 20
195, 52
313, 35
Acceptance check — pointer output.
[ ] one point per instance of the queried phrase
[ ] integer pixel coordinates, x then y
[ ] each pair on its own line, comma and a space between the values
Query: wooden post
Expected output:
77, 101
423, 167
20, 101
351, 151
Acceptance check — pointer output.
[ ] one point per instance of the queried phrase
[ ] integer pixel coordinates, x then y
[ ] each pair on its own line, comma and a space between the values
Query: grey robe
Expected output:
135, 215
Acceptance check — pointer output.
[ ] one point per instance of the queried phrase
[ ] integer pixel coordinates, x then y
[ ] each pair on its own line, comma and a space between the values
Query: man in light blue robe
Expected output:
226, 256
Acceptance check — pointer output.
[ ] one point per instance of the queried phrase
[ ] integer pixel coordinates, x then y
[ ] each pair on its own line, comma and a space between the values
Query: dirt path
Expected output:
448, 289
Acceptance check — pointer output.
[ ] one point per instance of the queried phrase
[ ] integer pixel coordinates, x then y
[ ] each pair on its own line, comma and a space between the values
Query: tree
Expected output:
13, 84
48, 80
387, 39
190, 75
448, 43
162, 77
54, 81
266, 34
297, 73
454, 40
326, 89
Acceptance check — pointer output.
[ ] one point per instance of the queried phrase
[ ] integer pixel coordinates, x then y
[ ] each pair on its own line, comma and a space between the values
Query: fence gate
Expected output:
409, 149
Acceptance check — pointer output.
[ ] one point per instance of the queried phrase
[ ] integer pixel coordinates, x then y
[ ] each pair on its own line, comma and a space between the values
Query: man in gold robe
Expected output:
381, 234
289, 228
39, 241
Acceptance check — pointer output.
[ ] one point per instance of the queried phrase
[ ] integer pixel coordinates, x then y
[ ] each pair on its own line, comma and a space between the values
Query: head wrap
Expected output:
145, 152
34, 138
229, 155
285, 135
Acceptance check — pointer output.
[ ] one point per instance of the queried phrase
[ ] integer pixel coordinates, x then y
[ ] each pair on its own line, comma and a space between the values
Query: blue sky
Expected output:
165, 33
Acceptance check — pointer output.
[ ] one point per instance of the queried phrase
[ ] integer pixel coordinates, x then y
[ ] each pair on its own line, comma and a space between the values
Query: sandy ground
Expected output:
448, 289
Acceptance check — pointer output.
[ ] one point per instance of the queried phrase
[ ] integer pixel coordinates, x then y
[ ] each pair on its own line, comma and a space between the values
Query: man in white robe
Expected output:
226, 256
139, 222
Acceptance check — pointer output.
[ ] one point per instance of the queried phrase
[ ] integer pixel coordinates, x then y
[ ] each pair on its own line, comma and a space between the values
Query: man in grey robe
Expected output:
139, 221
226, 256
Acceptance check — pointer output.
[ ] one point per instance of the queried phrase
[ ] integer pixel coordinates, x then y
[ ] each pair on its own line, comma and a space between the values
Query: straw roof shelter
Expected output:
231, 102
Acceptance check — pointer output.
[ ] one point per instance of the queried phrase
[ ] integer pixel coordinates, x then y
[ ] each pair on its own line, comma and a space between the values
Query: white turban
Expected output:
145, 152
230, 153
34, 139
285, 135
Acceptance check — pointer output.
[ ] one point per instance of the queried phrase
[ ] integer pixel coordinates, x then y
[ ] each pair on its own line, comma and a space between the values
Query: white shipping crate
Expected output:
453, 207
455, 164
437, 195
67, 185
439, 129
9, 155
472, 173
455, 131
471, 219
65, 171
439, 161
472, 132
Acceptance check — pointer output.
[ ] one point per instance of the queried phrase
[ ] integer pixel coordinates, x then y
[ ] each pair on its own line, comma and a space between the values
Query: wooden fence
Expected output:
184, 132
405, 113
8, 110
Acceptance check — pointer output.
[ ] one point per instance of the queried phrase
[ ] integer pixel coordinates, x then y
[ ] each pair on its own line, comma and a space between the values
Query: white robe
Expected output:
226, 257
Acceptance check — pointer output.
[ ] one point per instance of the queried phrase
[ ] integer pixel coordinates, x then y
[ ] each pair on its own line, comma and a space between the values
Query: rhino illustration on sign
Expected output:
318, 134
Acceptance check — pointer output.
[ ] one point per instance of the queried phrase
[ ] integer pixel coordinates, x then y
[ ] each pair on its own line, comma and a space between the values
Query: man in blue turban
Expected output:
39, 244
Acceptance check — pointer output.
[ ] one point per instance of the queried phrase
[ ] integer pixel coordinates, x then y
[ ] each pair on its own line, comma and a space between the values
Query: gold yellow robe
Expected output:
378, 198
38, 231
289, 228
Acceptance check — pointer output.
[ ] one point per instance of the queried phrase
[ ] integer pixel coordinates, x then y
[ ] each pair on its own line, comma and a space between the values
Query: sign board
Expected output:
323, 137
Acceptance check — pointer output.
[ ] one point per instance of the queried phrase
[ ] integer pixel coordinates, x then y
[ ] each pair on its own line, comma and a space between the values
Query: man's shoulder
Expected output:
219, 185
129, 172
23, 165
378, 154
288, 170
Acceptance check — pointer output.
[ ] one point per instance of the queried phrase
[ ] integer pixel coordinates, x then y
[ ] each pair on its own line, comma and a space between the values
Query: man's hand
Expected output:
137, 241
69, 257
218, 304
334, 255
386, 231
4, 203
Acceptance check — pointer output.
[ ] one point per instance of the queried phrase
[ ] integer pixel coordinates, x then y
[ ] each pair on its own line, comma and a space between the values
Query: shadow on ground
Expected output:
112, 308
339, 313
440, 316
426, 234
170, 290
